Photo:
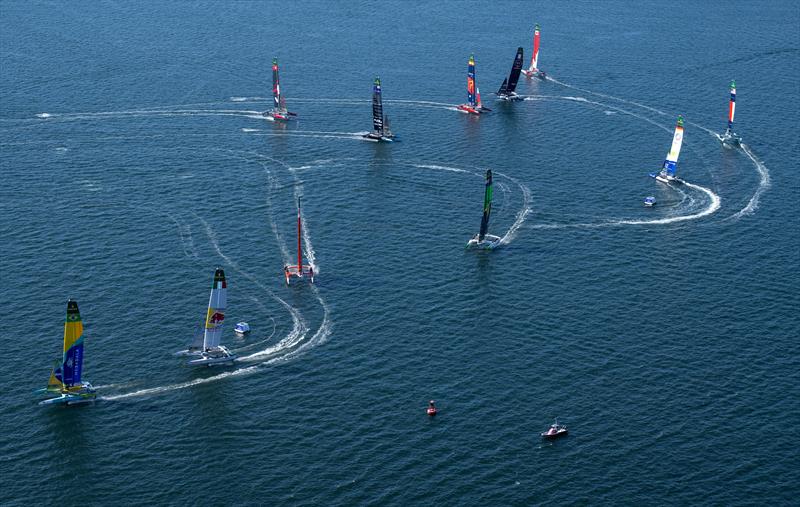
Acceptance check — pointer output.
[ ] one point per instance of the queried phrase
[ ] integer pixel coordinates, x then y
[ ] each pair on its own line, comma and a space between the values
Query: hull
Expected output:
535, 73
466, 108
489, 242
280, 115
86, 394
731, 139
665, 179
372, 136
188, 352
218, 357
554, 435
512, 97
306, 272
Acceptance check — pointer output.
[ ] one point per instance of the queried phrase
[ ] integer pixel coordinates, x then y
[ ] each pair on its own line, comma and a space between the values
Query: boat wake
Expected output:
290, 346
763, 172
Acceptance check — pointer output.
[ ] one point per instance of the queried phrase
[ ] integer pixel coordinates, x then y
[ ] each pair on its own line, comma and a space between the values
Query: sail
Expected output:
299, 236
72, 363
535, 56
503, 87
487, 206
55, 384
478, 103
377, 107
276, 85
732, 107
216, 311
515, 71
471, 81
672, 157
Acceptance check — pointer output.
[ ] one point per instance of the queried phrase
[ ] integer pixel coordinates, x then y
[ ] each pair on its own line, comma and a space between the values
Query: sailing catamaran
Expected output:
65, 379
212, 353
667, 173
278, 111
380, 123
533, 70
300, 270
506, 91
730, 137
483, 239
473, 105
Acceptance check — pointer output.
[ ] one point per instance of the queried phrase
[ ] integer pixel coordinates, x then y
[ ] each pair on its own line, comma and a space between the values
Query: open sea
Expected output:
135, 160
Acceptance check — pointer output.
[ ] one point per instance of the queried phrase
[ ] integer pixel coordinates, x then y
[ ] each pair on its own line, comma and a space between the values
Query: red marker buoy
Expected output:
431, 408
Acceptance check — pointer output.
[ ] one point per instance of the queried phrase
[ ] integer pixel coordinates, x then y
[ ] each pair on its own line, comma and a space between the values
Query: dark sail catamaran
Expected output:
506, 91
380, 123
483, 239
278, 111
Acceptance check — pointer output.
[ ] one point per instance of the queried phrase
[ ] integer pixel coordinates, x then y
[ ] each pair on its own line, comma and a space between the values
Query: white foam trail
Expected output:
251, 130
43, 115
521, 214
713, 206
440, 168
763, 185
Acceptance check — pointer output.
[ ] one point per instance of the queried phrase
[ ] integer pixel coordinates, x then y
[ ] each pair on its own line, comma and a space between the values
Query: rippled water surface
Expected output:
135, 160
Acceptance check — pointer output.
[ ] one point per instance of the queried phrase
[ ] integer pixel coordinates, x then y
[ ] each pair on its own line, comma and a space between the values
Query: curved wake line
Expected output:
521, 214
714, 204
763, 172
763, 185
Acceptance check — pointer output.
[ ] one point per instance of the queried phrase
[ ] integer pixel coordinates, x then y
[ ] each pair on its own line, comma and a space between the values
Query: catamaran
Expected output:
473, 105
212, 353
483, 239
299, 270
506, 91
667, 173
380, 123
533, 70
730, 137
65, 379
278, 111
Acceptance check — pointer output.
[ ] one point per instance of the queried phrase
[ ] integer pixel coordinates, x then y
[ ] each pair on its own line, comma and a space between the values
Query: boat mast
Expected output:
535, 55
732, 107
516, 68
471, 81
276, 86
487, 206
72, 364
299, 250
216, 311
377, 107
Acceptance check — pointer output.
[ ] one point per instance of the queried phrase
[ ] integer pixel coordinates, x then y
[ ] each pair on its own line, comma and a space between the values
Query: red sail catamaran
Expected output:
299, 270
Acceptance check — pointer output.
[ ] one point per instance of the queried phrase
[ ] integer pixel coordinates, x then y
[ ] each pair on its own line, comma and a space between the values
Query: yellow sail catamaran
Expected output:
65, 379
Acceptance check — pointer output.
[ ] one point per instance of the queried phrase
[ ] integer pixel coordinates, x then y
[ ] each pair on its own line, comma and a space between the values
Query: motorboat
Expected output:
555, 431
241, 328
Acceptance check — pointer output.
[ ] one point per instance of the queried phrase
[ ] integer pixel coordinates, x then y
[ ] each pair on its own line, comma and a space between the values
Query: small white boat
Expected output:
649, 201
556, 430
241, 328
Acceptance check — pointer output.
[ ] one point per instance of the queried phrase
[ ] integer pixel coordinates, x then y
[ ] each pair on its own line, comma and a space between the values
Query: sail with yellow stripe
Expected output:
65, 379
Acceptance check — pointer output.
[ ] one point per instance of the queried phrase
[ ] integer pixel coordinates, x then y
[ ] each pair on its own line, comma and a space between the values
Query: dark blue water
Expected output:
135, 161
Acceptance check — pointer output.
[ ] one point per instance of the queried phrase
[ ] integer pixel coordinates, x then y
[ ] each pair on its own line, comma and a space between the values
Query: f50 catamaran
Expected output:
65, 379
278, 111
483, 239
730, 137
667, 173
380, 123
212, 353
533, 70
506, 91
300, 270
473, 105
